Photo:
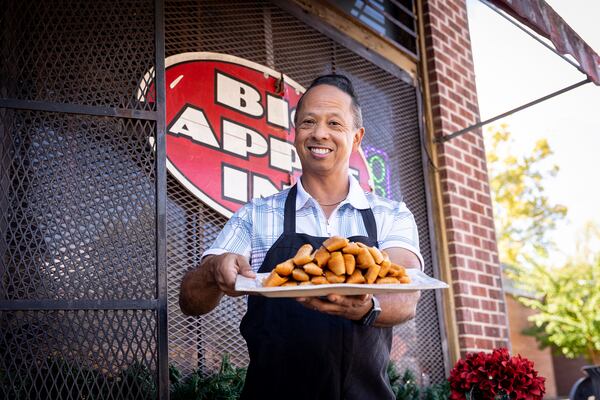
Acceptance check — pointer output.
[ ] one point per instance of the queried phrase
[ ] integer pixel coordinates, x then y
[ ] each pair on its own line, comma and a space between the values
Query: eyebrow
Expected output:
335, 114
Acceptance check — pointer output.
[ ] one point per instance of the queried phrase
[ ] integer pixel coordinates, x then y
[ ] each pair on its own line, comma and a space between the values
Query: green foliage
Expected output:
567, 301
136, 380
438, 391
227, 384
523, 213
566, 298
405, 386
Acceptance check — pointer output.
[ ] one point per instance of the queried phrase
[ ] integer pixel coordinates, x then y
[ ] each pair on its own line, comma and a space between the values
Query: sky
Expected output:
512, 69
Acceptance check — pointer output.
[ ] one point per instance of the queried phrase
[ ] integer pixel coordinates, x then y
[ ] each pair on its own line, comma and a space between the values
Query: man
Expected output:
313, 348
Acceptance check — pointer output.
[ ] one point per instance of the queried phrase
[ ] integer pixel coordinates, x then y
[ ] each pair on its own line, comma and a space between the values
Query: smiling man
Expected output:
336, 347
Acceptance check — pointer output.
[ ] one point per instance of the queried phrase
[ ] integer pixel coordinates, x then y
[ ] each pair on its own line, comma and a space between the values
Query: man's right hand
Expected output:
202, 287
226, 269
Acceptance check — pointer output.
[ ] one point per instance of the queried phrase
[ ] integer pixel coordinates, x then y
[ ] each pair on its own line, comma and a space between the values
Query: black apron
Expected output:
298, 353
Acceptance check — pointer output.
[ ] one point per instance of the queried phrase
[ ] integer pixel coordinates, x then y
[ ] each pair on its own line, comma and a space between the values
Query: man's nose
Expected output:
321, 131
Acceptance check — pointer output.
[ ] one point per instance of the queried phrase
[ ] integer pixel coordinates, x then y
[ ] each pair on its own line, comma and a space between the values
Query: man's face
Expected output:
325, 132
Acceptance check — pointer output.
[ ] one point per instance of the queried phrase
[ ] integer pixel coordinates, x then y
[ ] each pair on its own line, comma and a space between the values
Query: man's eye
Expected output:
334, 123
308, 122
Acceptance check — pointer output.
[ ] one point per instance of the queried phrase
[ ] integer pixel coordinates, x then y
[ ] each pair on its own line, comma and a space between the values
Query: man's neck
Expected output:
327, 190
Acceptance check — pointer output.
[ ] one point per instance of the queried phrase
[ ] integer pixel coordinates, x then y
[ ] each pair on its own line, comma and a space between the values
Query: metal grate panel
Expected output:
78, 207
80, 312
261, 32
194, 342
238, 28
89, 53
78, 355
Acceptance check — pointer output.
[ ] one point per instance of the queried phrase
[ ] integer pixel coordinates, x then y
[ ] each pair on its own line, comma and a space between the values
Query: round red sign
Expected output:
230, 129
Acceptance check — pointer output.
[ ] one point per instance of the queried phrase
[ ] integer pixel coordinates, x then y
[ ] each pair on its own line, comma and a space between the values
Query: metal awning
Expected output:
543, 20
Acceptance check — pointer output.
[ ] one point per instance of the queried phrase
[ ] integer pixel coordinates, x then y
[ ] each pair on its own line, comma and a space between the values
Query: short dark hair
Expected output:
345, 85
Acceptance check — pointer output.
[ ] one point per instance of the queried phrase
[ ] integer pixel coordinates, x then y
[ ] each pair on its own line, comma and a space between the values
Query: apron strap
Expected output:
289, 218
370, 224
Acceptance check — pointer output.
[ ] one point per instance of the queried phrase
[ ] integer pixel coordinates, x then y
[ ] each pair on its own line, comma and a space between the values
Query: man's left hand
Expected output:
349, 307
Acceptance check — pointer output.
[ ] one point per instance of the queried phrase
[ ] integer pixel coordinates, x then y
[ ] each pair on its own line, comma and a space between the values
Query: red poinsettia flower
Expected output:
495, 375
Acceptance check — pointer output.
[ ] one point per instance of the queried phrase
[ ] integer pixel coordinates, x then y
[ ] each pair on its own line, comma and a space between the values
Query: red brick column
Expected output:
467, 211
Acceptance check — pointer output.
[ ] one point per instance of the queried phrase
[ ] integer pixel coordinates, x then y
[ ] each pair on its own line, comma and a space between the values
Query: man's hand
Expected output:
349, 307
202, 288
227, 267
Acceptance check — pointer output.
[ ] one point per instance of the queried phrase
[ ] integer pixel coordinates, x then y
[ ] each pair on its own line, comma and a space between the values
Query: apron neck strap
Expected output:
289, 219
370, 224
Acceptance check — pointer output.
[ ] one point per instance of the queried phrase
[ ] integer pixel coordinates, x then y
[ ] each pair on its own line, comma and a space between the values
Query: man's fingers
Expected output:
364, 297
244, 267
314, 303
350, 307
351, 301
334, 298
228, 270
225, 275
311, 302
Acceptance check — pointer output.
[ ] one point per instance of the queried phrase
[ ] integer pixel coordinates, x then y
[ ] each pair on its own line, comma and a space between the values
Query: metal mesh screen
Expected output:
78, 354
263, 33
78, 204
91, 53
79, 207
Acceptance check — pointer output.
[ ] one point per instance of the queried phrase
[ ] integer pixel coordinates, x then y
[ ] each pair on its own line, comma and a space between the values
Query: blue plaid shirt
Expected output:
254, 228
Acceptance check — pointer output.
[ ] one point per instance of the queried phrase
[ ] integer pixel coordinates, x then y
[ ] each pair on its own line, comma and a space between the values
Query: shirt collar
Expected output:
356, 196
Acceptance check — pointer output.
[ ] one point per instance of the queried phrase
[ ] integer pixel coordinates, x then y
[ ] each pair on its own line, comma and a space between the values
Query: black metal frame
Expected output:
439, 298
161, 202
22, 305
159, 304
67, 108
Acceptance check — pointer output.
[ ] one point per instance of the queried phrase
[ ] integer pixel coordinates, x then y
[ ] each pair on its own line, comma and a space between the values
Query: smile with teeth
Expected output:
319, 150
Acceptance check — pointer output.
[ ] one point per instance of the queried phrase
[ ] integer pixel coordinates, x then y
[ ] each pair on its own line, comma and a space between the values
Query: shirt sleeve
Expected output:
236, 235
400, 230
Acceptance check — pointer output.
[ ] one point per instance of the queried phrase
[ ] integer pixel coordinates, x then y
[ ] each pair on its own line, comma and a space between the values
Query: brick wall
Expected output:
467, 212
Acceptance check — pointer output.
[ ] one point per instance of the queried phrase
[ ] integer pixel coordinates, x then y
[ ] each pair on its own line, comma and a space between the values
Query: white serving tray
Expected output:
419, 281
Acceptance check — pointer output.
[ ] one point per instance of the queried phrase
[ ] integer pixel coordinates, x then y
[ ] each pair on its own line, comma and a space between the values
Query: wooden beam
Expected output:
372, 40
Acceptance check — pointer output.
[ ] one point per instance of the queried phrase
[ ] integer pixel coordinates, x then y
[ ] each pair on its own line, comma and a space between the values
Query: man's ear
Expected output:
357, 139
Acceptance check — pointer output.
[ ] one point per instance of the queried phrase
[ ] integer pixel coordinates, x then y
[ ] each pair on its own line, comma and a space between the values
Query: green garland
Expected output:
405, 386
226, 384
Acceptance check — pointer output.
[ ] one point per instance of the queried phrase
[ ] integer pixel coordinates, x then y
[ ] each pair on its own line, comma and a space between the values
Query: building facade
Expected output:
97, 228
